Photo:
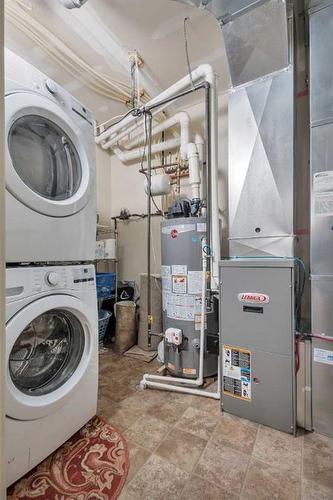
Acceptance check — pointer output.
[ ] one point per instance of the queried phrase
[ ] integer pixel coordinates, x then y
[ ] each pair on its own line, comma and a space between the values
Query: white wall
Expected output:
103, 185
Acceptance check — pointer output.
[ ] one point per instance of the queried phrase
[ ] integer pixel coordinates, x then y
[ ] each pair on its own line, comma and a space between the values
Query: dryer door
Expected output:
51, 349
47, 168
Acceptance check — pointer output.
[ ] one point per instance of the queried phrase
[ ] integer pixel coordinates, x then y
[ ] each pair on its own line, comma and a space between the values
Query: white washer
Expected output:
50, 169
51, 359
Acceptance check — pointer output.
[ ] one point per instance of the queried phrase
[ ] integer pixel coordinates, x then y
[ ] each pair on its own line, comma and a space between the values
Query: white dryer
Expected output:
51, 358
50, 169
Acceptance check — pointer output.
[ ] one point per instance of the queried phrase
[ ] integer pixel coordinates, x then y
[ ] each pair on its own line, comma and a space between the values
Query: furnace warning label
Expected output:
237, 372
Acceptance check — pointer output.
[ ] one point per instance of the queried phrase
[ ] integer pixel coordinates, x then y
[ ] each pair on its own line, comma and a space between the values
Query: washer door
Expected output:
47, 168
49, 347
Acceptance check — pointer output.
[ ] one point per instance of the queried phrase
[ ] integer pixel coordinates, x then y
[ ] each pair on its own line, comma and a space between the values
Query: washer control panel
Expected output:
52, 278
24, 281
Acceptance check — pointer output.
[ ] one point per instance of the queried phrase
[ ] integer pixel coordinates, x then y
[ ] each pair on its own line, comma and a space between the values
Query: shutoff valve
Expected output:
174, 336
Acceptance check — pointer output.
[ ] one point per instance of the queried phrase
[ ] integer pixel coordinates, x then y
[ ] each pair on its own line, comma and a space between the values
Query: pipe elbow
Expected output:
207, 71
183, 118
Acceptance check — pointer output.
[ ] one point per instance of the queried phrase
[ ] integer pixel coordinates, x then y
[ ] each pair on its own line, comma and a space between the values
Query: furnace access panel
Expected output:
257, 333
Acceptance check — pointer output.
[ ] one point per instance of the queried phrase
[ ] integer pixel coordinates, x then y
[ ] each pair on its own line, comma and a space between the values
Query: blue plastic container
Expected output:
105, 284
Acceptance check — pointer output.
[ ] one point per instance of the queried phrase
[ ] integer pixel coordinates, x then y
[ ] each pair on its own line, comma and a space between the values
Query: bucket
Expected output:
125, 326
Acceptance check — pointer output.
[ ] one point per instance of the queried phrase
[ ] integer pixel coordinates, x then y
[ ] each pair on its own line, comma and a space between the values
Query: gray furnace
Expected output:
257, 340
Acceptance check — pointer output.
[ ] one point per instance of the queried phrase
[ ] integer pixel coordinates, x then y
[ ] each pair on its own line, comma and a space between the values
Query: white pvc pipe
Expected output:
135, 154
182, 119
194, 170
186, 390
200, 144
202, 72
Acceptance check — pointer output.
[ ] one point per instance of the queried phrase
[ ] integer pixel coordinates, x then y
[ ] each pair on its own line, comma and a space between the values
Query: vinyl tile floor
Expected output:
183, 447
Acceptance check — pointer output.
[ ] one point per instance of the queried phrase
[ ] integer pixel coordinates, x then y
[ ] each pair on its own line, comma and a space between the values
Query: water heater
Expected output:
182, 255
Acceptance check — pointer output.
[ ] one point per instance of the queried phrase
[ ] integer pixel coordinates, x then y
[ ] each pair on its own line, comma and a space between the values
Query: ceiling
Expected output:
102, 33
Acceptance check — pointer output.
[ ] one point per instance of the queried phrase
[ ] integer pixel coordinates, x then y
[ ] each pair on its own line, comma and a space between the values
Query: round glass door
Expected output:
44, 157
48, 154
47, 352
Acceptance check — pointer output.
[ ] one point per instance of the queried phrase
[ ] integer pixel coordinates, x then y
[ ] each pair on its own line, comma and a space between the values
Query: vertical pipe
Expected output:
208, 181
149, 318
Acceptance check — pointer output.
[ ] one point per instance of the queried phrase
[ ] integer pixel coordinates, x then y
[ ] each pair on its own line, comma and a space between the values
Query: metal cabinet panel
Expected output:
322, 200
261, 172
269, 330
322, 304
322, 369
257, 332
321, 42
272, 395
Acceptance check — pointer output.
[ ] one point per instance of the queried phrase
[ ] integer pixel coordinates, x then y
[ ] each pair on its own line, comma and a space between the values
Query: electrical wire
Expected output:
186, 20
119, 121
142, 160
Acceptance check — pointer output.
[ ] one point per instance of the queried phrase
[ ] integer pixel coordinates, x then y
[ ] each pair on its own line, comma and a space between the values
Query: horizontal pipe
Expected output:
182, 119
125, 156
185, 390
202, 72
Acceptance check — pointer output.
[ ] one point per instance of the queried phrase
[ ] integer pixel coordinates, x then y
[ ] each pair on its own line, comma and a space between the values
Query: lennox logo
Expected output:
253, 298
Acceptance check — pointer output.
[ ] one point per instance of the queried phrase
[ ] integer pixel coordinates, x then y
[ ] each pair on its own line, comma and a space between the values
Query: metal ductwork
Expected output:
255, 35
225, 10
72, 4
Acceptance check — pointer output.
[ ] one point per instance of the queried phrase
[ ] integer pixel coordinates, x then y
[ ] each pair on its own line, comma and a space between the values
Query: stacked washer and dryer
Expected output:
51, 305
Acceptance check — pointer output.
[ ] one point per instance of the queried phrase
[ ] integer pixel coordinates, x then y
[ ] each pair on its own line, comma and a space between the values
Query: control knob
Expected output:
52, 278
51, 86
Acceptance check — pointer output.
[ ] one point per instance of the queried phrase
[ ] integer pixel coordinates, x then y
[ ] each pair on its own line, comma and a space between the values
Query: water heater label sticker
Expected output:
201, 227
179, 284
323, 356
323, 181
165, 271
180, 307
237, 372
165, 296
166, 283
194, 282
179, 270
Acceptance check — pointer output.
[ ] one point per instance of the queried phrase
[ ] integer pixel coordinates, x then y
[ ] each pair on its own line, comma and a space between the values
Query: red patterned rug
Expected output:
92, 465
